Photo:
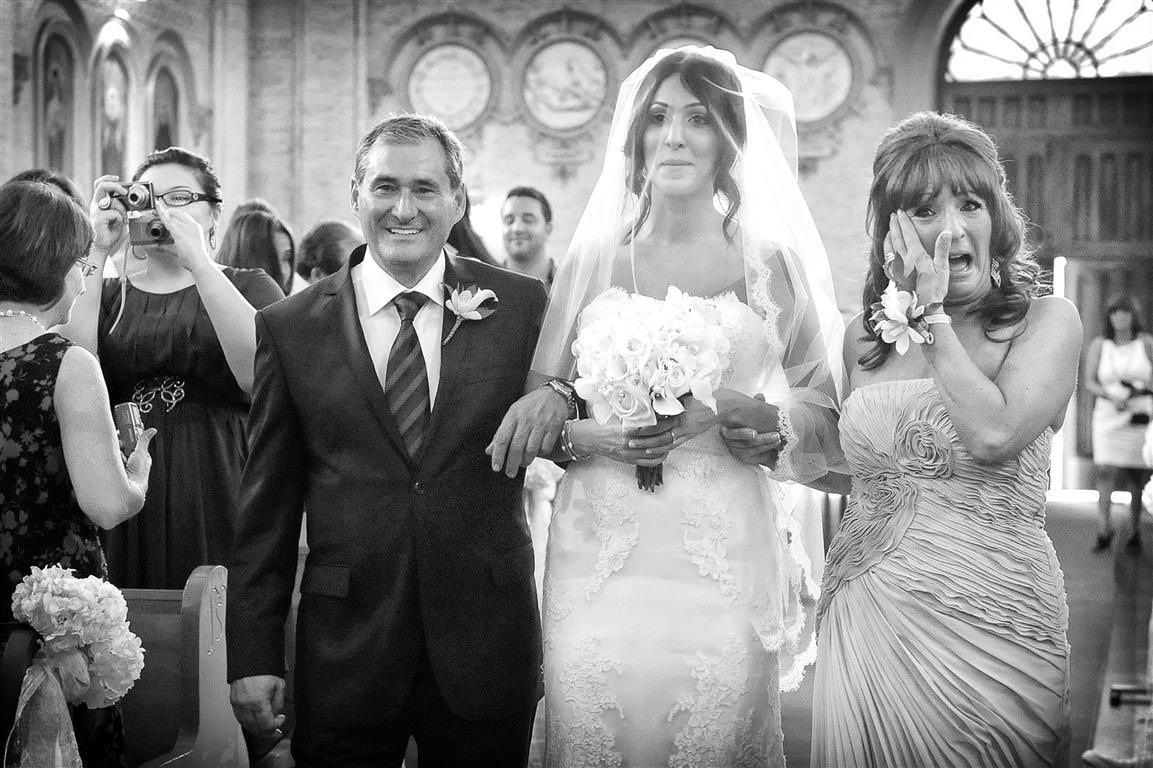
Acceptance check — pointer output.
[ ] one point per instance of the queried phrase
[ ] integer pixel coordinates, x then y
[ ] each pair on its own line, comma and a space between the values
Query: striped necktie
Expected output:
406, 382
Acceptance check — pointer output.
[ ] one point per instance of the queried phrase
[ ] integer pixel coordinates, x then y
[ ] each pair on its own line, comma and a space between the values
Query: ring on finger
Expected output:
105, 203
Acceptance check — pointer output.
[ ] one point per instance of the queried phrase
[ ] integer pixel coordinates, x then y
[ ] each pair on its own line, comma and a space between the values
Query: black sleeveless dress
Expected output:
40, 521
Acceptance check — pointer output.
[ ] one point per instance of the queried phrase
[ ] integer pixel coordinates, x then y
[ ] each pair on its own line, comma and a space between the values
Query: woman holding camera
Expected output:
178, 338
1119, 374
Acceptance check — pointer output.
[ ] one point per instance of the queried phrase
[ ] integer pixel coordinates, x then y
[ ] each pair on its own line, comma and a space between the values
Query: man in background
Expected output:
526, 219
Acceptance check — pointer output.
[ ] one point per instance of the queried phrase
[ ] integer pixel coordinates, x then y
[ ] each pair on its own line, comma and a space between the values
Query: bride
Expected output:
673, 617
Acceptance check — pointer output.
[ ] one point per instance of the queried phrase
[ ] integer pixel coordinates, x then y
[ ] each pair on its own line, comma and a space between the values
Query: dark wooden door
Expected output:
1079, 157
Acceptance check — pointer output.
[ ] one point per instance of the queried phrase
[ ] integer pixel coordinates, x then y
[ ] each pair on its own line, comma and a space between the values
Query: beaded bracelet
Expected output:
566, 445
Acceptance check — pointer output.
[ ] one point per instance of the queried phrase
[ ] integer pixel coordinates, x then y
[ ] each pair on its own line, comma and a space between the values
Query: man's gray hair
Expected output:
413, 129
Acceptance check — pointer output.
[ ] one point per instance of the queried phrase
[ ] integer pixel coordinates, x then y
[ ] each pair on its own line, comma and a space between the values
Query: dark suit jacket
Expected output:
401, 555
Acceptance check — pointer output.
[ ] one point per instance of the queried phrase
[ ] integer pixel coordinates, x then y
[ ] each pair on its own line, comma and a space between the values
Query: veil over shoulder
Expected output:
787, 277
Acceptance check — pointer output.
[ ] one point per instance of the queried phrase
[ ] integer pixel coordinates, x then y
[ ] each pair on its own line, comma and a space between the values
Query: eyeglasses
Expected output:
87, 268
178, 198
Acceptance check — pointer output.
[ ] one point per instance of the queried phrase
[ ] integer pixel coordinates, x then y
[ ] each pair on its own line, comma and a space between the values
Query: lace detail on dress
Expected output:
712, 735
784, 469
585, 740
615, 526
760, 299
709, 549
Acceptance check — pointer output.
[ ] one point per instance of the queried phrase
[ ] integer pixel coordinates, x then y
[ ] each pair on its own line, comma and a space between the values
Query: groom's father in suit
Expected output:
376, 391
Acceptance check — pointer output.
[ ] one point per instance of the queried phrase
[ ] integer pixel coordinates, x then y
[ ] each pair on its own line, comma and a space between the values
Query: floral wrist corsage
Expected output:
900, 319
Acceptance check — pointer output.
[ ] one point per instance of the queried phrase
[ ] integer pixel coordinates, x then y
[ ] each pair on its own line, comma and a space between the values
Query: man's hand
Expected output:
258, 703
529, 429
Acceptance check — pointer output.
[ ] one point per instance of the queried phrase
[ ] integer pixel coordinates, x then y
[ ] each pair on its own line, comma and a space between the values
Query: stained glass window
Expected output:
1053, 39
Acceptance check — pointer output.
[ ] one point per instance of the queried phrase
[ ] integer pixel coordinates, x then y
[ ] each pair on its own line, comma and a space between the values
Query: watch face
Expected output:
450, 82
817, 69
564, 85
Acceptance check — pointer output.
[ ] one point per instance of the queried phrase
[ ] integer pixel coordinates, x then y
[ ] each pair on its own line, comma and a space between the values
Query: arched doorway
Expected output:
1067, 91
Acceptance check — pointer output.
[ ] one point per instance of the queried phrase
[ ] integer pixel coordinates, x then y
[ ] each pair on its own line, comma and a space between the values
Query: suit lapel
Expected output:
354, 349
453, 355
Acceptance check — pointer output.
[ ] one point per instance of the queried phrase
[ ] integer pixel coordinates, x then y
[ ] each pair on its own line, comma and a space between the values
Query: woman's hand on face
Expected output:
931, 273
109, 218
644, 446
187, 235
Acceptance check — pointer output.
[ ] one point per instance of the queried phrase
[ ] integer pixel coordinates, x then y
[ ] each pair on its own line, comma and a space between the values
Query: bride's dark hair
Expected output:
928, 152
719, 90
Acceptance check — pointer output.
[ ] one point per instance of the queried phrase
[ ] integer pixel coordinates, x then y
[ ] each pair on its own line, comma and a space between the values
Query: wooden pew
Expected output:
178, 713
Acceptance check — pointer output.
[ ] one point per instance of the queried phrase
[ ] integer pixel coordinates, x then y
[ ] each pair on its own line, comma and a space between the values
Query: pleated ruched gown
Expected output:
942, 624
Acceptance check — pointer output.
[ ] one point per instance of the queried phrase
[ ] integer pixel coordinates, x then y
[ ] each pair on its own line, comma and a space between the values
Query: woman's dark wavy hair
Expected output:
1121, 304
42, 234
198, 164
248, 244
924, 154
323, 247
719, 90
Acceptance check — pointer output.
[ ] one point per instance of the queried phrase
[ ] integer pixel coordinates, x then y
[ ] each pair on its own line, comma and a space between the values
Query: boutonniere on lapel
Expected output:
468, 302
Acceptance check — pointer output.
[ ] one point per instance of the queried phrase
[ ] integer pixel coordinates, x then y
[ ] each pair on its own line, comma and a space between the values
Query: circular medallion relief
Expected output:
451, 82
564, 85
818, 70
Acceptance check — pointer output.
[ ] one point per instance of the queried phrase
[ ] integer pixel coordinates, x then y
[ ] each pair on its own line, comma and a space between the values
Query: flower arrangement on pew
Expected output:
87, 653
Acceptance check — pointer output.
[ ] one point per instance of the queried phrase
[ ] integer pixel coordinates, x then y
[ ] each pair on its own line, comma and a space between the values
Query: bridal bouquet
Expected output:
637, 357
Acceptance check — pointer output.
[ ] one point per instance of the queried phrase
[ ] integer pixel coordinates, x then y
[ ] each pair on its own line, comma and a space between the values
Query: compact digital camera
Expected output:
144, 225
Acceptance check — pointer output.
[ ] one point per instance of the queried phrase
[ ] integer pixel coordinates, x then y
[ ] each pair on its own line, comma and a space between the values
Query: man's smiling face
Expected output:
406, 205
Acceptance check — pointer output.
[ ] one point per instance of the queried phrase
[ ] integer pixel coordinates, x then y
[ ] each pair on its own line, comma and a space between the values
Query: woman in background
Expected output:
942, 622
177, 337
260, 240
324, 249
62, 476
1119, 374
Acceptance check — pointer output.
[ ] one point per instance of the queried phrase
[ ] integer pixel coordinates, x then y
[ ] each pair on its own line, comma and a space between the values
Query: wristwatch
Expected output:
565, 390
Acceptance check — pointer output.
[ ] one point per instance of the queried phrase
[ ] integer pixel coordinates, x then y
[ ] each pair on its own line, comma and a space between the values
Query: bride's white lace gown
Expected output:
666, 614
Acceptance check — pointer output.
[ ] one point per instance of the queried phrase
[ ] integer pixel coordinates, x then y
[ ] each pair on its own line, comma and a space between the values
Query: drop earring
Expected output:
212, 238
995, 274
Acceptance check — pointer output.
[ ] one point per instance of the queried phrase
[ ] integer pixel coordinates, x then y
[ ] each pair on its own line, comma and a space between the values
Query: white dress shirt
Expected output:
375, 290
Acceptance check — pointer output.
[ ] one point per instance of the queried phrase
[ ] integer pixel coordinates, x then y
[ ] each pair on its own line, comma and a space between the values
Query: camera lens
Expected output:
137, 196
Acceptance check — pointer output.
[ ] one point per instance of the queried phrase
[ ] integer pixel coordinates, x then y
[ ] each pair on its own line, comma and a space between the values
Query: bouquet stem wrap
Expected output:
43, 726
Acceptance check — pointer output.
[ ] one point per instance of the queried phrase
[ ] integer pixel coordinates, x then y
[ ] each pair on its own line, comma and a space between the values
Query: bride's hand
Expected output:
696, 418
750, 429
645, 447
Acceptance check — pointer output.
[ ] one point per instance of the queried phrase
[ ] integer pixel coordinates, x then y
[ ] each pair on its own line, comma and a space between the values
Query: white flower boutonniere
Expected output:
468, 302
897, 318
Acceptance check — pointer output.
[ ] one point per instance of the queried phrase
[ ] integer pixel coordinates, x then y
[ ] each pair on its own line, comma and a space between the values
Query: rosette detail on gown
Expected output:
942, 623
674, 618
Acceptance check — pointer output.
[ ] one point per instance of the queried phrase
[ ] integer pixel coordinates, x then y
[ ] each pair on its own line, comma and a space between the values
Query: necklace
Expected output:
26, 315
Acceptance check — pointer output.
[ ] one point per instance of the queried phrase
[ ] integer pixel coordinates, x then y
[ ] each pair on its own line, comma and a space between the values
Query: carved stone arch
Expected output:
117, 45
566, 74
685, 22
60, 30
568, 23
190, 121
826, 56
435, 55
